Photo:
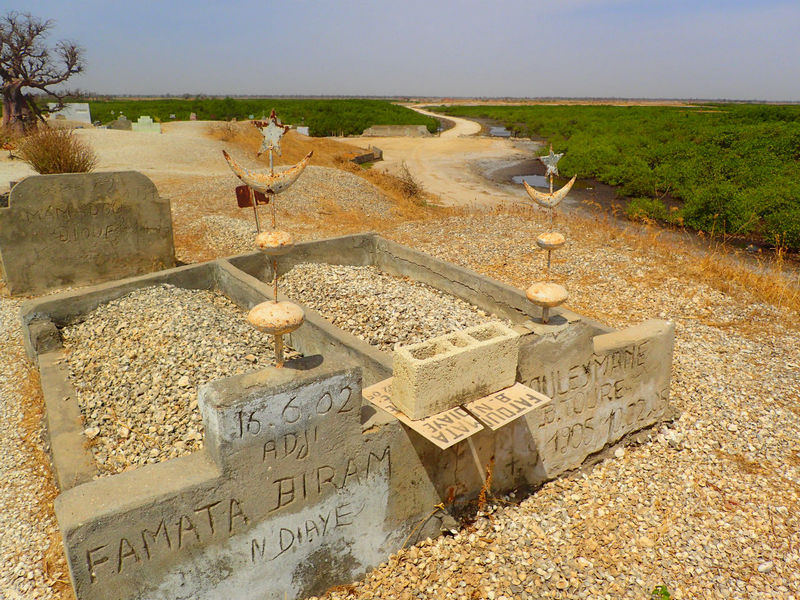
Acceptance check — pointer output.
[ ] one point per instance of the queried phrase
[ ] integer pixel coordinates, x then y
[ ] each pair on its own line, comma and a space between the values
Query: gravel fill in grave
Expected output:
136, 362
380, 309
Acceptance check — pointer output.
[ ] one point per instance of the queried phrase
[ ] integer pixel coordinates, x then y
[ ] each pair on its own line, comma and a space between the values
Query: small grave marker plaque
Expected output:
443, 429
500, 408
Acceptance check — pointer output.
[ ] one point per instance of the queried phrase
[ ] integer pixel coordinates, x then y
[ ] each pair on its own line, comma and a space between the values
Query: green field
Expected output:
733, 168
322, 117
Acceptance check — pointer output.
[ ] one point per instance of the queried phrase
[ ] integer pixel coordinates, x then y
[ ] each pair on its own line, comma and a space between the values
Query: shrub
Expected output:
410, 187
783, 227
735, 168
660, 592
50, 150
8, 136
642, 209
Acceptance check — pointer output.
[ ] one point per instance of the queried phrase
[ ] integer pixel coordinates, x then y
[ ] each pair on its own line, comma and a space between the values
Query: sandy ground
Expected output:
445, 165
183, 149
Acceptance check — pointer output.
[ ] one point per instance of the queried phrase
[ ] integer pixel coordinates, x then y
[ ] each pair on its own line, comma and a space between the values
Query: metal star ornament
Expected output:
550, 161
272, 133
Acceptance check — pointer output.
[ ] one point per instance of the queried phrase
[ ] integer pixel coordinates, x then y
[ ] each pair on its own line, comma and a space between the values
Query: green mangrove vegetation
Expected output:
732, 168
322, 116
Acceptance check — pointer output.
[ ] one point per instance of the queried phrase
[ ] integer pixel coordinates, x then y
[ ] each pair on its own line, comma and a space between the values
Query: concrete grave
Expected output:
82, 228
121, 123
397, 131
145, 124
71, 111
301, 484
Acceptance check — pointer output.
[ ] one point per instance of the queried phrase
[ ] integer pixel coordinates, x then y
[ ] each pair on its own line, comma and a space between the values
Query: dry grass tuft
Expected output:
486, 488
409, 186
49, 150
228, 131
9, 140
770, 281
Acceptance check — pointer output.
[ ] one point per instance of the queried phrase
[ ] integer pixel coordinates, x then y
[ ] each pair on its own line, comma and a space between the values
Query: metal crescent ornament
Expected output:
549, 200
265, 182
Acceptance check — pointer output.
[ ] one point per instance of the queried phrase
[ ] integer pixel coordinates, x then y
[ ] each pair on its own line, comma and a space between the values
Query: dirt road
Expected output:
447, 165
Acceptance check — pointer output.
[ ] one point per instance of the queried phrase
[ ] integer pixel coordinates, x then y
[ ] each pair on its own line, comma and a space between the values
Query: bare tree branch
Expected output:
27, 62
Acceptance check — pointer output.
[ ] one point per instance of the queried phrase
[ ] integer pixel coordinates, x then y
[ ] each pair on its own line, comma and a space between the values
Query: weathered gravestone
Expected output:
121, 123
603, 387
82, 228
145, 124
287, 498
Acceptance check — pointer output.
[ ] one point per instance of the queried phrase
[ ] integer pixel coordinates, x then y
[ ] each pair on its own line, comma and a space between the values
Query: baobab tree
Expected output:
27, 63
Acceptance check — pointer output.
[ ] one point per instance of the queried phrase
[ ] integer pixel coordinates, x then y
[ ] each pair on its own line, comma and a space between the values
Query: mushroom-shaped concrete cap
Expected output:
550, 241
546, 294
274, 242
276, 318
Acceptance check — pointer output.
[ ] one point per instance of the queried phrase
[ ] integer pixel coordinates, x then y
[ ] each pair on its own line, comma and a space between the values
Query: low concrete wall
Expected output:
397, 131
301, 484
80, 228
374, 155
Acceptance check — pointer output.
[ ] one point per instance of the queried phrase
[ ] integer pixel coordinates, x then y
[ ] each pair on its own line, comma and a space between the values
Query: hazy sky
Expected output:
638, 48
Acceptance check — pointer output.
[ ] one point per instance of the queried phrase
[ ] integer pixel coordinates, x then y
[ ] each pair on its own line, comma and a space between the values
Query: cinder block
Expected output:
446, 371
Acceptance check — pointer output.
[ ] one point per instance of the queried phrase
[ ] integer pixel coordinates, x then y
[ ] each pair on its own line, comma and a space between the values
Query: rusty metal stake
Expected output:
275, 274
278, 350
255, 209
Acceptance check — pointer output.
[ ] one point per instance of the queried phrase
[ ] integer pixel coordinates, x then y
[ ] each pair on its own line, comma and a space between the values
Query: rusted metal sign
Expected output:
244, 200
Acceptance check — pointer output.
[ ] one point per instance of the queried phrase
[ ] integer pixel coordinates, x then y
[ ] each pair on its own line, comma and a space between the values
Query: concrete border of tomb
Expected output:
211, 512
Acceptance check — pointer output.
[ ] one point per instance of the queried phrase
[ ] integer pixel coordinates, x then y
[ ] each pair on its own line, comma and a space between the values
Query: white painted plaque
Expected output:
500, 408
443, 429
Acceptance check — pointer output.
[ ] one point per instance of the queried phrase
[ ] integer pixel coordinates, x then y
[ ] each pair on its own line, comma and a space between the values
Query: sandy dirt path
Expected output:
183, 149
445, 165
448, 166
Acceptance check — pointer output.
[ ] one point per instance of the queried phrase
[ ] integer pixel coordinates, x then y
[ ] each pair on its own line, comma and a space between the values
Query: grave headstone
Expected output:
286, 499
603, 387
71, 111
146, 124
82, 228
120, 123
